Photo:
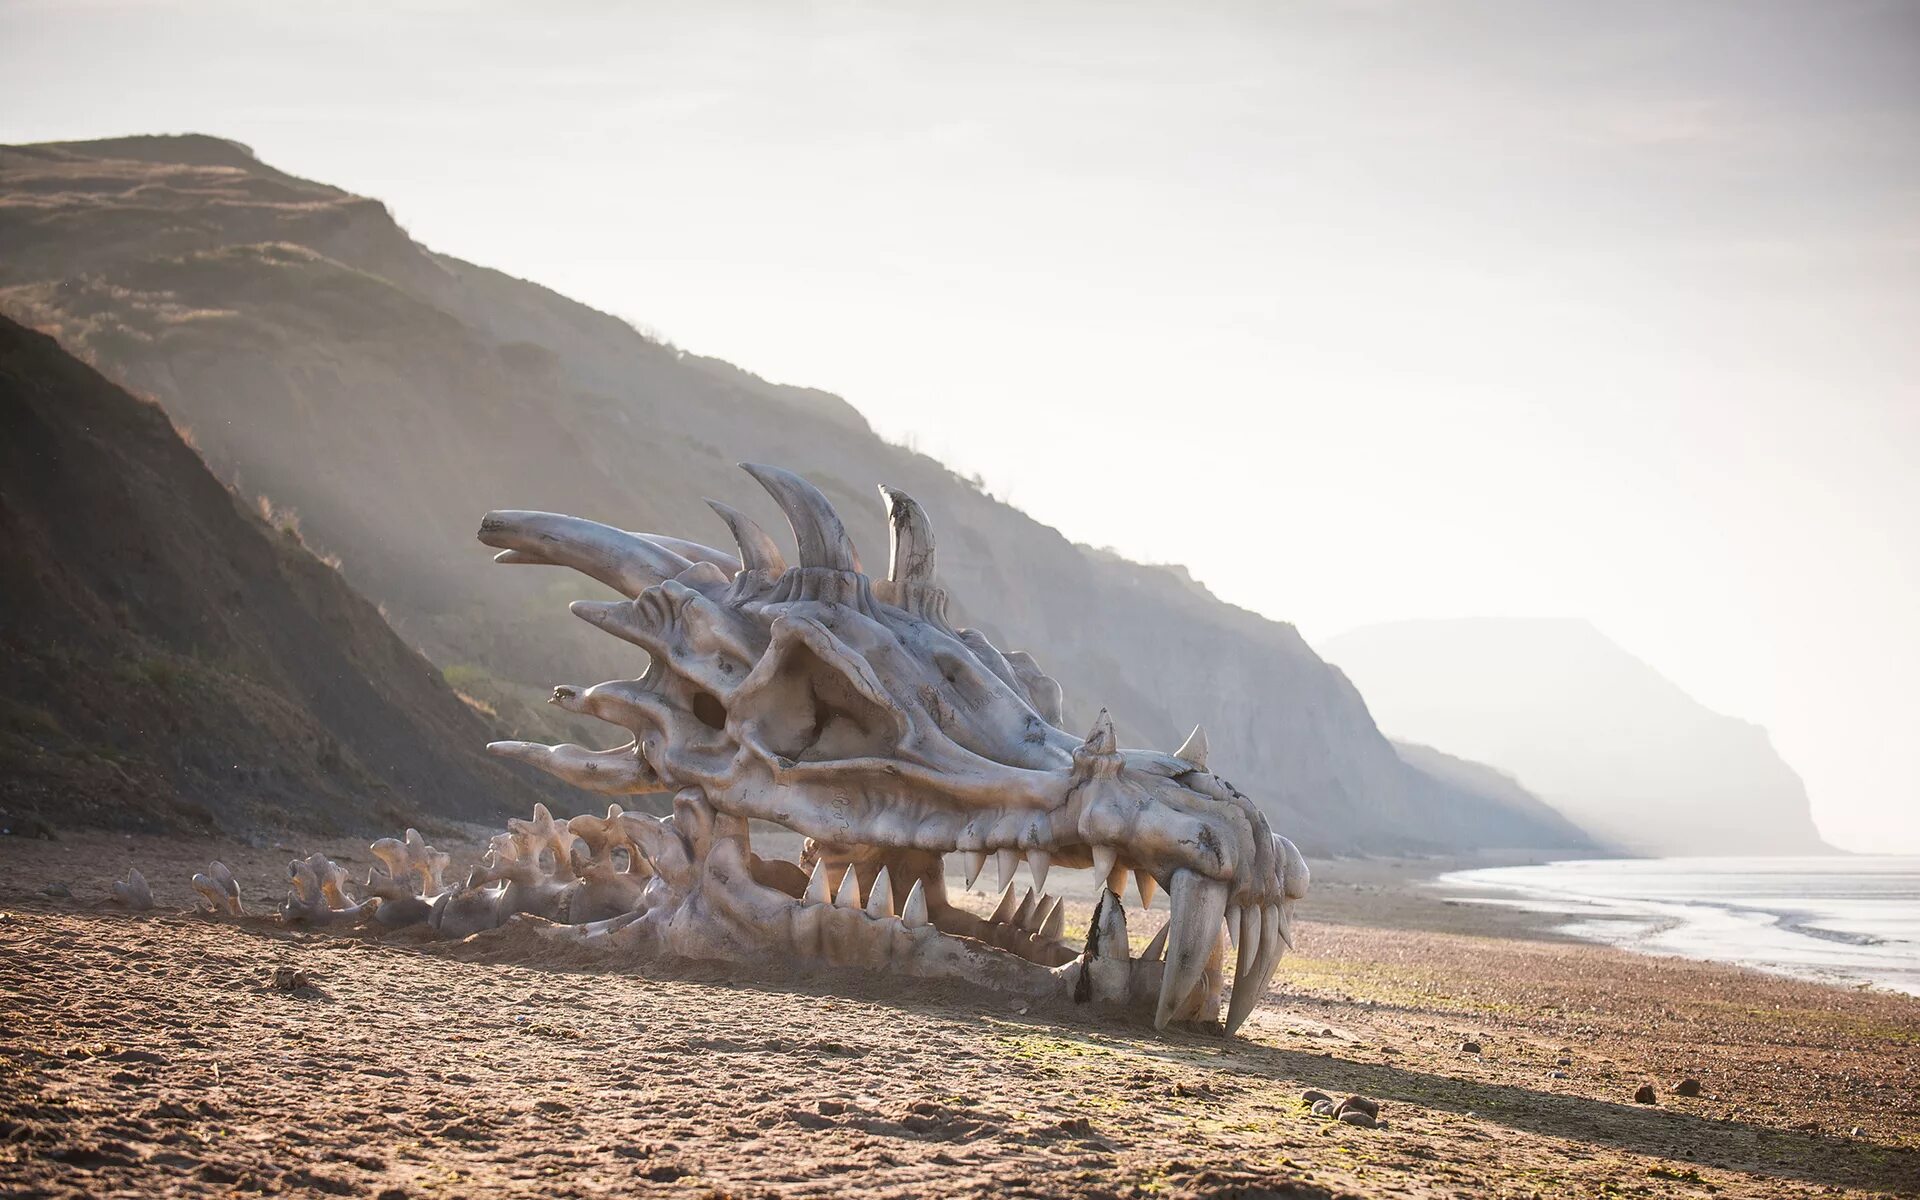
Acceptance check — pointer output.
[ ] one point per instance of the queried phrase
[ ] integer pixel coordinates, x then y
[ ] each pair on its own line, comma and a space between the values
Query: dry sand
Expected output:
149, 1054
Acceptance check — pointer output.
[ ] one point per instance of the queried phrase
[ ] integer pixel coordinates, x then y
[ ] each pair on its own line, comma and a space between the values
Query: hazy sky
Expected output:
1609, 310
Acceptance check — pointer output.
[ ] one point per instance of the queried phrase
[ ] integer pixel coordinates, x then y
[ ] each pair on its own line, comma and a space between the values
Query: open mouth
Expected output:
847, 710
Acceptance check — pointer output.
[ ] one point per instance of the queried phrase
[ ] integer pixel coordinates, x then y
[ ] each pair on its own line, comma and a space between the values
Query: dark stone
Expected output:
1469, 1047
1358, 1104
1313, 1097
1687, 1087
1354, 1116
1644, 1095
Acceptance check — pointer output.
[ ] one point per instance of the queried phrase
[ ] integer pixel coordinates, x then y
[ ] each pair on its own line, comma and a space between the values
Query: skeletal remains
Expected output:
848, 710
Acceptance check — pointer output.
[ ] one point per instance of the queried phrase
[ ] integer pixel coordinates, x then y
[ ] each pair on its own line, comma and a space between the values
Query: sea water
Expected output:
1840, 919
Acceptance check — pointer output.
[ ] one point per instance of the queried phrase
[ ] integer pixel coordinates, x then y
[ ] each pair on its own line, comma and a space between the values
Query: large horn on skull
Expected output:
758, 550
910, 538
625, 562
817, 528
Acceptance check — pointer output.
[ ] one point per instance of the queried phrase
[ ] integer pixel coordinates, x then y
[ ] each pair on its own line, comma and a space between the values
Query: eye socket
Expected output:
710, 711
621, 859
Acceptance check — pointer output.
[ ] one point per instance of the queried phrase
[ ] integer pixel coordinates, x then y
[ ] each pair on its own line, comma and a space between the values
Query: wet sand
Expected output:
149, 1054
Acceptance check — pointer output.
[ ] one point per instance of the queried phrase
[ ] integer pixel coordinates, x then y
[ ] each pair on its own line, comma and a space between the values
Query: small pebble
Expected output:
1856, 1131
1556, 1074
1354, 1116
58, 891
1469, 1047
1644, 1095
1323, 1108
1687, 1087
1314, 1097
1562, 1062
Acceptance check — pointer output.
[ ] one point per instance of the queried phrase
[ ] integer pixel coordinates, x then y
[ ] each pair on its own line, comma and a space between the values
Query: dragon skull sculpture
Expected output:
848, 710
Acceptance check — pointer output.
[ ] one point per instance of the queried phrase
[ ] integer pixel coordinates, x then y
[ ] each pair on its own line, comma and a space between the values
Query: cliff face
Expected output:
390, 396
1591, 729
169, 660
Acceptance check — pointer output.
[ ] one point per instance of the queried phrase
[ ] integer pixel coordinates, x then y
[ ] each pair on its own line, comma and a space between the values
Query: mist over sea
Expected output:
1838, 919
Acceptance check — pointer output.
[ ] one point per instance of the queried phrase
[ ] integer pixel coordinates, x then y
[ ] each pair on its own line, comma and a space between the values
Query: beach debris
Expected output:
1469, 1047
1645, 1095
320, 890
133, 892
1687, 1087
219, 891
1354, 1116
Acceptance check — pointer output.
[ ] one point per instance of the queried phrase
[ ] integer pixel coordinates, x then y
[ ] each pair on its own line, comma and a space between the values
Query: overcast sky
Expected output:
1603, 310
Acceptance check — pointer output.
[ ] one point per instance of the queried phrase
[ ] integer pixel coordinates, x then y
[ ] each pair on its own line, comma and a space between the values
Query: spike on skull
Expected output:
849, 711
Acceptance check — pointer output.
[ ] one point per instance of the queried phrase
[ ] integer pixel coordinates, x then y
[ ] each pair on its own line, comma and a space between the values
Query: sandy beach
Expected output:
150, 1054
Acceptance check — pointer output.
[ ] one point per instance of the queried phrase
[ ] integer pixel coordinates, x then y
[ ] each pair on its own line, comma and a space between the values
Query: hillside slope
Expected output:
1599, 734
170, 661
390, 396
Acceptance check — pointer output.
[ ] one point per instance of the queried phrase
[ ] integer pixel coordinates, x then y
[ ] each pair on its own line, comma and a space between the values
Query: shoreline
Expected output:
149, 1053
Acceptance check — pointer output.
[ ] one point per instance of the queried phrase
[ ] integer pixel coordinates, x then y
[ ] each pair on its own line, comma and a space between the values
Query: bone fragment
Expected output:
219, 889
133, 891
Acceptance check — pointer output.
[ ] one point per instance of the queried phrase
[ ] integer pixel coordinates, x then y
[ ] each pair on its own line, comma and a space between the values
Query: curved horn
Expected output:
625, 562
822, 538
758, 551
910, 538
693, 551
1194, 749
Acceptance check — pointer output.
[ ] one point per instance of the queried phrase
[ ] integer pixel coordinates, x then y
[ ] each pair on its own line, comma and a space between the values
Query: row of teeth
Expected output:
1006, 864
1038, 915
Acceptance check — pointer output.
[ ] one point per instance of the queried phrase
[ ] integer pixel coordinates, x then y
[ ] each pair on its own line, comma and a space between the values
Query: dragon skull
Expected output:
848, 710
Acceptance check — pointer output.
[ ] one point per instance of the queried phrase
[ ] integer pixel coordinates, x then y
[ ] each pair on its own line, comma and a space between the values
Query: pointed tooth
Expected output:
1156, 946
1005, 863
1117, 879
1003, 911
1233, 925
1278, 922
1145, 881
1054, 926
1252, 917
1024, 913
1198, 906
976, 862
1039, 862
914, 913
1107, 932
880, 899
817, 889
1253, 973
849, 894
1043, 908
1103, 858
